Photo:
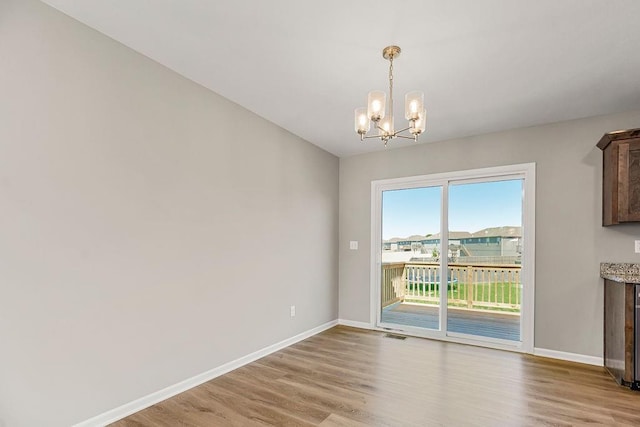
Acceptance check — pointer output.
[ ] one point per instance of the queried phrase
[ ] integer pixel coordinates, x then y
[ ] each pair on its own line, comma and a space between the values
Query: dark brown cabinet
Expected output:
619, 337
621, 176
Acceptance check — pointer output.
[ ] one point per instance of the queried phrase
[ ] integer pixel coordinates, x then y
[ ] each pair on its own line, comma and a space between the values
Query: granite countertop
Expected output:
620, 272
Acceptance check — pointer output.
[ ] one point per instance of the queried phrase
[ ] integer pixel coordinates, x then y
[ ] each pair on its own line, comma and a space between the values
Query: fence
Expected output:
471, 286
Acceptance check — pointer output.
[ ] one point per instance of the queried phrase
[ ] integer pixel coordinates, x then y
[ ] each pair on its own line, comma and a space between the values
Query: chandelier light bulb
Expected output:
420, 124
413, 105
386, 126
376, 105
362, 121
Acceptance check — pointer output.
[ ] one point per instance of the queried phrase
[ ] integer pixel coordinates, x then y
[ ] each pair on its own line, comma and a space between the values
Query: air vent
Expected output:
395, 337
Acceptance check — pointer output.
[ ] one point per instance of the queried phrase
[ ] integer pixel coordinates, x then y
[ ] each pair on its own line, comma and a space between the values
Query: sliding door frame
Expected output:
526, 172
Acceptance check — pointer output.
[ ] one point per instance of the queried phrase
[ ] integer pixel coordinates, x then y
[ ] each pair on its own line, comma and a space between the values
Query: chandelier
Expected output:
382, 117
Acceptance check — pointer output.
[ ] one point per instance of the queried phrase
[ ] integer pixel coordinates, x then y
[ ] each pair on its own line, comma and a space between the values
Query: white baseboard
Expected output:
144, 402
571, 357
542, 352
355, 324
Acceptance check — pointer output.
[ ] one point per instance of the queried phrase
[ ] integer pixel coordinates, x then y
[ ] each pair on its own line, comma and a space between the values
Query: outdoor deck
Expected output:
474, 322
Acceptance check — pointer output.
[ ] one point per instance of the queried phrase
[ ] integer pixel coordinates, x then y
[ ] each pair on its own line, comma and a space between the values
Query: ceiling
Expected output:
484, 66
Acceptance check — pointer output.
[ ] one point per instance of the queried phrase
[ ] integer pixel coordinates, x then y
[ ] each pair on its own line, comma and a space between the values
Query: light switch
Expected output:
353, 245
638, 246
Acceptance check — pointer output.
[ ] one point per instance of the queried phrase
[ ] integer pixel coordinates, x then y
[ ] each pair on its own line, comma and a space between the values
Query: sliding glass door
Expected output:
411, 296
485, 258
477, 227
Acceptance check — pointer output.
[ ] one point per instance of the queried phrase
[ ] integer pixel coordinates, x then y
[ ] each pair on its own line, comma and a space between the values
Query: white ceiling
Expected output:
484, 66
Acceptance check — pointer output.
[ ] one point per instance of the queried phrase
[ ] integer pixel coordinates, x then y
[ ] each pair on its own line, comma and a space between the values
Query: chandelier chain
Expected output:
391, 89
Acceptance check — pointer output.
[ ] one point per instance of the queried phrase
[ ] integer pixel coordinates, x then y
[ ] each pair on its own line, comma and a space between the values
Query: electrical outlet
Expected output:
293, 311
353, 245
638, 246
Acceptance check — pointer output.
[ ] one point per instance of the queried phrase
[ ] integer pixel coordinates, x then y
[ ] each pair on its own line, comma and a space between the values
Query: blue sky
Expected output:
472, 207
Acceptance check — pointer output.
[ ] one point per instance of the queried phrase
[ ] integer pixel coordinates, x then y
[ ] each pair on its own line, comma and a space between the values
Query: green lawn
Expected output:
482, 292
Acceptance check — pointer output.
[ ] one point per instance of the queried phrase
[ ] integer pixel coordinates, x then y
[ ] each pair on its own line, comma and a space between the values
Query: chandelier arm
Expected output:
402, 130
371, 136
406, 137
379, 128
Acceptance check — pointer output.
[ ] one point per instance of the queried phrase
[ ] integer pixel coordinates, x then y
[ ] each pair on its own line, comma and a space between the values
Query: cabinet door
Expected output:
629, 180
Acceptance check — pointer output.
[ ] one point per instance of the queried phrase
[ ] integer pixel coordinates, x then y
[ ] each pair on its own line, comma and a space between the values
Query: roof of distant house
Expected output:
506, 231
499, 232
413, 238
453, 235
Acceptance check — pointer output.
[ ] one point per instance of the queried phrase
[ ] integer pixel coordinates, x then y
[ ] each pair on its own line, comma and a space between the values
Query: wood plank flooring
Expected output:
352, 377
492, 324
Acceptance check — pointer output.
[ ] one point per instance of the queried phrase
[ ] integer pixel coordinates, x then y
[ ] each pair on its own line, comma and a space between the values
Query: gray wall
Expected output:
570, 242
150, 230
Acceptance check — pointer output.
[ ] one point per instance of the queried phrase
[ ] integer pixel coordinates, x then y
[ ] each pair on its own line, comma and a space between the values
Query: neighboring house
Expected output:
496, 241
489, 242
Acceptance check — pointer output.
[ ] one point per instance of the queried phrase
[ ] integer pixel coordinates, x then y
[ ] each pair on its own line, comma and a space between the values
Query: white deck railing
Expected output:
470, 286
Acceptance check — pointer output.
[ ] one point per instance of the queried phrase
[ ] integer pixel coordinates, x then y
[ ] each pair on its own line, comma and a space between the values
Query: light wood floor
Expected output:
352, 377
